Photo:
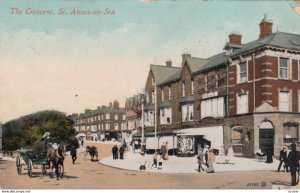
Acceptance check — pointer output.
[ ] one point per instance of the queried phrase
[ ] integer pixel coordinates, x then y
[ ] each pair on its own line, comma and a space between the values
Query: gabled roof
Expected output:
214, 61
163, 73
196, 63
277, 39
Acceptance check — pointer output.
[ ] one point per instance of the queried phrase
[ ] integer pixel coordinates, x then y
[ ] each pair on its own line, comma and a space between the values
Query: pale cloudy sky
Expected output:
46, 60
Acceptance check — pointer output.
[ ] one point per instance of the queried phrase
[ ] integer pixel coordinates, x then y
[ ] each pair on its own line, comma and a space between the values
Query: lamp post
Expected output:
155, 114
143, 102
0, 135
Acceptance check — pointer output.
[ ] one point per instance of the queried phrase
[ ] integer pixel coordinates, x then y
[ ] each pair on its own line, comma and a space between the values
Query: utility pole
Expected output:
0, 135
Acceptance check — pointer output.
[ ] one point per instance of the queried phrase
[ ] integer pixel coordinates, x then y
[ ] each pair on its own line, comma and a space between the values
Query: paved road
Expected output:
92, 175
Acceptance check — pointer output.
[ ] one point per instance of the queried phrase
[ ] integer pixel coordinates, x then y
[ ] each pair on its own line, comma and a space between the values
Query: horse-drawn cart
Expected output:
33, 158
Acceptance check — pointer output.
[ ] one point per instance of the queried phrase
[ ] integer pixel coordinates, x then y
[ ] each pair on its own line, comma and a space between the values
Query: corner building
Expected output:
247, 97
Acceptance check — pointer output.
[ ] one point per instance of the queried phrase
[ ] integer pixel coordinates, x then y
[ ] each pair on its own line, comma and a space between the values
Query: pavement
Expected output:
133, 161
174, 164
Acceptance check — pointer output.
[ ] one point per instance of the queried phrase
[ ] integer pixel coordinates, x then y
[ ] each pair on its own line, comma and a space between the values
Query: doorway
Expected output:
266, 140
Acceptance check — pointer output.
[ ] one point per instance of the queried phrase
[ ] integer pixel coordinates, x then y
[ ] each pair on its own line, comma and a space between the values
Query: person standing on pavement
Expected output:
122, 150
211, 159
269, 156
154, 159
200, 158
73, 153
293, 162
115, 152
206, 158
283, 160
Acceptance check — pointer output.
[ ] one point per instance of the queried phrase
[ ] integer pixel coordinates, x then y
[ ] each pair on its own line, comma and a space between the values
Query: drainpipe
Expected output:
253, 59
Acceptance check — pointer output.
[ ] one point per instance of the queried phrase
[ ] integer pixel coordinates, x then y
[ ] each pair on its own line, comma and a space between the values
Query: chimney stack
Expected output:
169, 63
235, 38
265, 27
116, 104
185, 56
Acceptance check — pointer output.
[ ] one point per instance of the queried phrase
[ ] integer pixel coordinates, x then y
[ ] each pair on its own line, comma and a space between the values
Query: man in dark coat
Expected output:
115, 152
269, 156
283, 159
73, 153
122, 150
293, 162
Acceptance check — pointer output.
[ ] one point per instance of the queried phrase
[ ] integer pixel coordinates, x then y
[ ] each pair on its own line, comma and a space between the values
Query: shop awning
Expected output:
165, 104
213, 134
149, 107
187, 99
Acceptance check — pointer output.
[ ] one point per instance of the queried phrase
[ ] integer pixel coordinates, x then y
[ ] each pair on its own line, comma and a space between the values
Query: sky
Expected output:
70, 62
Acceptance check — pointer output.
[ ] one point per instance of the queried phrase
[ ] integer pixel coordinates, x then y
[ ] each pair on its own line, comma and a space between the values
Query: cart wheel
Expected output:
29, 168
44, 169
19, 165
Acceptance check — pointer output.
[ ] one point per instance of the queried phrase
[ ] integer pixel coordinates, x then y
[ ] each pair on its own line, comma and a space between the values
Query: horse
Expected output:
56, 156
93, 151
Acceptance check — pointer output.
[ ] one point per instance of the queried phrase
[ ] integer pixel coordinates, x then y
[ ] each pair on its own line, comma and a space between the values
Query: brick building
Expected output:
105, 122
133, 112
211, 100
264, 92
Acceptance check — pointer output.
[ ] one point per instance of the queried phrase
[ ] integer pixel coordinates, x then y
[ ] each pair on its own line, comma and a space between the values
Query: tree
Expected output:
24, 131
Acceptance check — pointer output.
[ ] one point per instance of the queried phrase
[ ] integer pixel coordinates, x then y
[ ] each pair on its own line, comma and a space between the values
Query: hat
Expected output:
293, 146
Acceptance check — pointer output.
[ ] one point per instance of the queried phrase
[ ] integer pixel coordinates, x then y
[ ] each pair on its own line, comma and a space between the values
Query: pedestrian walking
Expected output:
73, 153
200, 158
122, 150
211, 159
154, 159
283, 160
293, 162
81, 142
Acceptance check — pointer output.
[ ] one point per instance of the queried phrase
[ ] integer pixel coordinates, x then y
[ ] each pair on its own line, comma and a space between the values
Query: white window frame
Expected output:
152, 81
116, 126
287, 68
193, 88
214, 107
153, 96
162, 94
299, 69
107, 116
187, 112
299, 101
239, 72
242, 108
284, 105
165, 113
170, 93
183, 88
116, 116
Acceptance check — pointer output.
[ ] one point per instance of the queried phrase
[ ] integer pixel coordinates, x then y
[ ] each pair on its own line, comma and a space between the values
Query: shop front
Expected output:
190, 139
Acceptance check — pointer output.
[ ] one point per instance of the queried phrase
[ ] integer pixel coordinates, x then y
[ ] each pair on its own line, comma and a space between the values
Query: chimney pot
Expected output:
235, 38
169, 63
265, 27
